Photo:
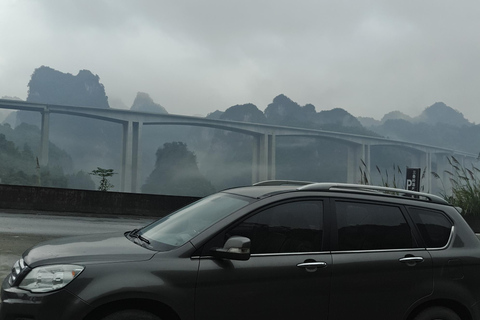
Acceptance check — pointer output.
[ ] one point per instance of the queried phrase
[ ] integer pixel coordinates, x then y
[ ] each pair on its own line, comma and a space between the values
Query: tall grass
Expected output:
465, 187
392, 179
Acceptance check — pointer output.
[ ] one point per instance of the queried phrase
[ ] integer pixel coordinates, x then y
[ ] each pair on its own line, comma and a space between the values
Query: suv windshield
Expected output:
181, 226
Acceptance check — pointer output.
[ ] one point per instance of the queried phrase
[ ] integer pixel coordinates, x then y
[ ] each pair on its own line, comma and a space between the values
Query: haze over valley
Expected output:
204, 159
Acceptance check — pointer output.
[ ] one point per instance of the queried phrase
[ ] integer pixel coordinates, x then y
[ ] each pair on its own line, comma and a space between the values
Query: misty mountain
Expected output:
222, 157
227, 156
285, 112
215, 115
440, 113
397, 115
245, 113
339, 119
27, 136
19, 166
48, 85
368, 122
438, 125
90, 143
144, 103
176, 172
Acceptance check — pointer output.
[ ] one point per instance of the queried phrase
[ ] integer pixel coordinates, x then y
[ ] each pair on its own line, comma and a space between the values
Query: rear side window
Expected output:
434, 227
364, 226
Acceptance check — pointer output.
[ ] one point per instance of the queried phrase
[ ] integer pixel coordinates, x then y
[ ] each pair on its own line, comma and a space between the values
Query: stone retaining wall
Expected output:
89, 202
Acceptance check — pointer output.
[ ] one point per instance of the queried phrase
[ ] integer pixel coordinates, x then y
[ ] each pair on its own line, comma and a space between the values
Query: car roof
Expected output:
260, 191
271, 187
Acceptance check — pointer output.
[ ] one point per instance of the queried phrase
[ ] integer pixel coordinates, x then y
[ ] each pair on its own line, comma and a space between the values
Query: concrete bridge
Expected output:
264, 137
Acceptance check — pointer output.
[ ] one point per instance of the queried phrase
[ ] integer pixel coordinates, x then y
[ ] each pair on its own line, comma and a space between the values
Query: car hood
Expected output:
98, 248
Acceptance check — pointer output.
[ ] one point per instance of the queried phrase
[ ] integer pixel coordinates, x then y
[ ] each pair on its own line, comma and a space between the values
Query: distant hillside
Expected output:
438, 125
90, 143
19, 166
144, 103
176, 172
225, 157
285, 112
245, 113
438, 113
51, 86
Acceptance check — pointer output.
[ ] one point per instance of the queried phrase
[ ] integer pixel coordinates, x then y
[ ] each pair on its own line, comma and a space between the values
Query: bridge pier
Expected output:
136, 156
355, 155
263, 162
426, 159
44, 137
130, 156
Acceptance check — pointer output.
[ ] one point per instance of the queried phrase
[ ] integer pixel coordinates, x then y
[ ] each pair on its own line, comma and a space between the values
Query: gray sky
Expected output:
197, 56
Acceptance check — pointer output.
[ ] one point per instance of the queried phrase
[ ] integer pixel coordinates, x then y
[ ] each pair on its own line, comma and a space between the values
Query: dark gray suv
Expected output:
275, 250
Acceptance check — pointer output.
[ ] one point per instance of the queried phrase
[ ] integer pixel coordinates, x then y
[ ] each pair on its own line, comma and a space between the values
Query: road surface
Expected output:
20, 231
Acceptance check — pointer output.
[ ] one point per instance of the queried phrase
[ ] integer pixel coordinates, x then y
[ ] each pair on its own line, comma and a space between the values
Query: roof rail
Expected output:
282, 183
327, 186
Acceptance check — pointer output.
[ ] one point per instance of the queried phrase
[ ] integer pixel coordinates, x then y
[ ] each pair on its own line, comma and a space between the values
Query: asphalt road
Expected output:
20, 231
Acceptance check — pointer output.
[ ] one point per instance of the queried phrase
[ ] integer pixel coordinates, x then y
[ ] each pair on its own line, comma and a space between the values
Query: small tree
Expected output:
105, 184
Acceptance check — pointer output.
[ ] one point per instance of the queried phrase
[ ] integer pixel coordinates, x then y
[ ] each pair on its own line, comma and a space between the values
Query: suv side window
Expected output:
434, 227
289, 227
364, 226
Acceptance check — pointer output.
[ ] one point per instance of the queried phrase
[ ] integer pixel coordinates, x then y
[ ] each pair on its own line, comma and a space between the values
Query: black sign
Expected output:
413, 179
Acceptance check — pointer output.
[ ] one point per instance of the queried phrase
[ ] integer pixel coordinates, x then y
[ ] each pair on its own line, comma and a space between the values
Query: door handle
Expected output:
411, 261
312, 266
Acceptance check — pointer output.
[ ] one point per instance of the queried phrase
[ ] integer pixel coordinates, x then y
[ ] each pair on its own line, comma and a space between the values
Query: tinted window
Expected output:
289, 227
434, 227
372, 227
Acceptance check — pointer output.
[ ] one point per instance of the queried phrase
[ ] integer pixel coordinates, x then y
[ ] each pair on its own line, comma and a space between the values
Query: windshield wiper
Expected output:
136, 234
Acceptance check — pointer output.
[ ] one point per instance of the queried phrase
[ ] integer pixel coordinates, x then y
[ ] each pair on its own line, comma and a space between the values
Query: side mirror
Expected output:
235, 248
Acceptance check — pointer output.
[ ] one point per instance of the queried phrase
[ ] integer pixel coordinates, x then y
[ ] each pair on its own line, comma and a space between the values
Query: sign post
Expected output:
413, 179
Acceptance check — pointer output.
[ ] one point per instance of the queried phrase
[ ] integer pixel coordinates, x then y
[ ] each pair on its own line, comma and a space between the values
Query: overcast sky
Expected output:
196, 56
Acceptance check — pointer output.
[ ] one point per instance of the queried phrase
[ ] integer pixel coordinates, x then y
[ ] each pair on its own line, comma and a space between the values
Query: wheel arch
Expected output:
455, 306
158, 308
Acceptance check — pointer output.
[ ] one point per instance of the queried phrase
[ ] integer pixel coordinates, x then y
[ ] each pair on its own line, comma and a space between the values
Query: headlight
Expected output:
50, 278
17, 268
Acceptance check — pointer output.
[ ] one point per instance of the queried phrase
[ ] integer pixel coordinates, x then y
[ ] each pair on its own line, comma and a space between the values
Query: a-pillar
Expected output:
130, 156
44, 138
263, 160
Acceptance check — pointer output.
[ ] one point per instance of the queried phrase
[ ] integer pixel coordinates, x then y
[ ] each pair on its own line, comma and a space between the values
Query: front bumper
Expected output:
22, 304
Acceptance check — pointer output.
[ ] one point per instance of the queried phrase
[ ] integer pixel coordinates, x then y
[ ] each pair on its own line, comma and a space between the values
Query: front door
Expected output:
286, 277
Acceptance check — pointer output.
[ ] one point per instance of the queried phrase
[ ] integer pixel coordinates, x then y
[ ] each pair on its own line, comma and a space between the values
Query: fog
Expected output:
368, 57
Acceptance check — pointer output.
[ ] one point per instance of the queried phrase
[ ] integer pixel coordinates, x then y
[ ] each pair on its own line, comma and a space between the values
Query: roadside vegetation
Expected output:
460, 185
465, 186
391, 179
104, 175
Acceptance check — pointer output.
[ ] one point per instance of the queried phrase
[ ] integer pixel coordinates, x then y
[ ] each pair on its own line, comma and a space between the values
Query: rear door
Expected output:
379, 269
286, 277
